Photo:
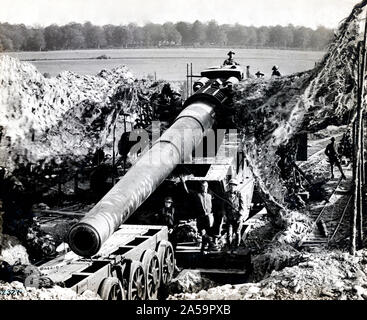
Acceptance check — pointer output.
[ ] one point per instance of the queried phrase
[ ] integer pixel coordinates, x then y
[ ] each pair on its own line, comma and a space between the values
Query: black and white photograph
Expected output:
191, 153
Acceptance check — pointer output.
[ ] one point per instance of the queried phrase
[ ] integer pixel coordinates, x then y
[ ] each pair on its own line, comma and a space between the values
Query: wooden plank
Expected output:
63, 213
219, 271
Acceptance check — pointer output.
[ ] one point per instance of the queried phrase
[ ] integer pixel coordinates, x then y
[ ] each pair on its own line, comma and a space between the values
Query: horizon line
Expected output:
39, 25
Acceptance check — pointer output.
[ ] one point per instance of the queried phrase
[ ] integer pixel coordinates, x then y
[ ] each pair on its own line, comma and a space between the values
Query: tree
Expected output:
35, 40
184, 29
288, 36
94, 36
263, 35
320, 38
250, 36
137, 34
76, 36
236, 35
154, 34
120, 36
214, 34
108, 33
198, 33
222, 38
302, 37
147, 36
6, 44
53, 37
73, 36
280, 37
171, 34
13, 36
18, 34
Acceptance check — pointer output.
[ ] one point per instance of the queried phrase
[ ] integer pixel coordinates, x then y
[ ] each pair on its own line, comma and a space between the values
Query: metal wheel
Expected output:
111, 289
152, 271
136, 284
167, 259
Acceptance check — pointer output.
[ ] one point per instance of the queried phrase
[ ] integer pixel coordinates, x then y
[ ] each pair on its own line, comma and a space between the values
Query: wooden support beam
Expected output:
63, 213
356, 221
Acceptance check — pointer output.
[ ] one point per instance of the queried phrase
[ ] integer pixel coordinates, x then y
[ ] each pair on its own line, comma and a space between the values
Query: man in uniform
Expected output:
259, 74
166, 217
276, 72
230, 61
333, 158
248, 73
234, 211
167, 214
205, 218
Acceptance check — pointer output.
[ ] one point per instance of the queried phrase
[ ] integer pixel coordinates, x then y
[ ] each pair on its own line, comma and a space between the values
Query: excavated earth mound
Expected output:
61, 118
17, 291
322, 276
12, 251
272, 112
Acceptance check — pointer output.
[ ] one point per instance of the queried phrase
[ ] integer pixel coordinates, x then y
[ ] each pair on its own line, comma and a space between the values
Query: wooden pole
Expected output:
357, 205
190, 78
124, 132
76, 182
187, 80
355, 197
362, 197
113, 154
353, 220
361, 144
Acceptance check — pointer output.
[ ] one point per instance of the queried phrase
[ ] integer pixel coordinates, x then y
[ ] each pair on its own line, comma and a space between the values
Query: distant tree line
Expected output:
18, 37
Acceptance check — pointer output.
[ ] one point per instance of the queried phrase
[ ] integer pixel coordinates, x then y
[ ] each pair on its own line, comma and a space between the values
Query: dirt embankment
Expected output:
60, 122
321, 276
63, 118
272, 112
17, 291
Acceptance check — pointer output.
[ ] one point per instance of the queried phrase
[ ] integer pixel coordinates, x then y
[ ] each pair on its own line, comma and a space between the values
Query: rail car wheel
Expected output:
136, 284
111, 289
152, 271
167, 259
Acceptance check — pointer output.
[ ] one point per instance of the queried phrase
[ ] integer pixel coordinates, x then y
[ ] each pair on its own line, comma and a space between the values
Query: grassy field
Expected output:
168, 64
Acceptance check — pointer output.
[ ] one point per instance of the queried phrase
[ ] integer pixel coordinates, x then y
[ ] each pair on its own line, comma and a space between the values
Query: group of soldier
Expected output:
234, 214
230, 61
208, 232
206, 221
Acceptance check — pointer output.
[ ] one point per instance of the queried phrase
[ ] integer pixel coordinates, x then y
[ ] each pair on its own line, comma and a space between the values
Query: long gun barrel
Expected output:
178, 142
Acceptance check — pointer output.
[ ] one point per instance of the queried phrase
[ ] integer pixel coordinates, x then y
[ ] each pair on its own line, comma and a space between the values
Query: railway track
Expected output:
340, 216
330, 216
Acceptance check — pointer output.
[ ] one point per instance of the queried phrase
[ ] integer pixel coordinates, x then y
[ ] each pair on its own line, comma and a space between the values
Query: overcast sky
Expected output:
310, 13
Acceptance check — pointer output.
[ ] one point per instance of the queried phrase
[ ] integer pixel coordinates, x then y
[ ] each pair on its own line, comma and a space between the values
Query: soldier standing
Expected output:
167, 214
234, 210
230, 61
333, 158
275, 72
167, 217
259, 74
205, 218
248, 73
